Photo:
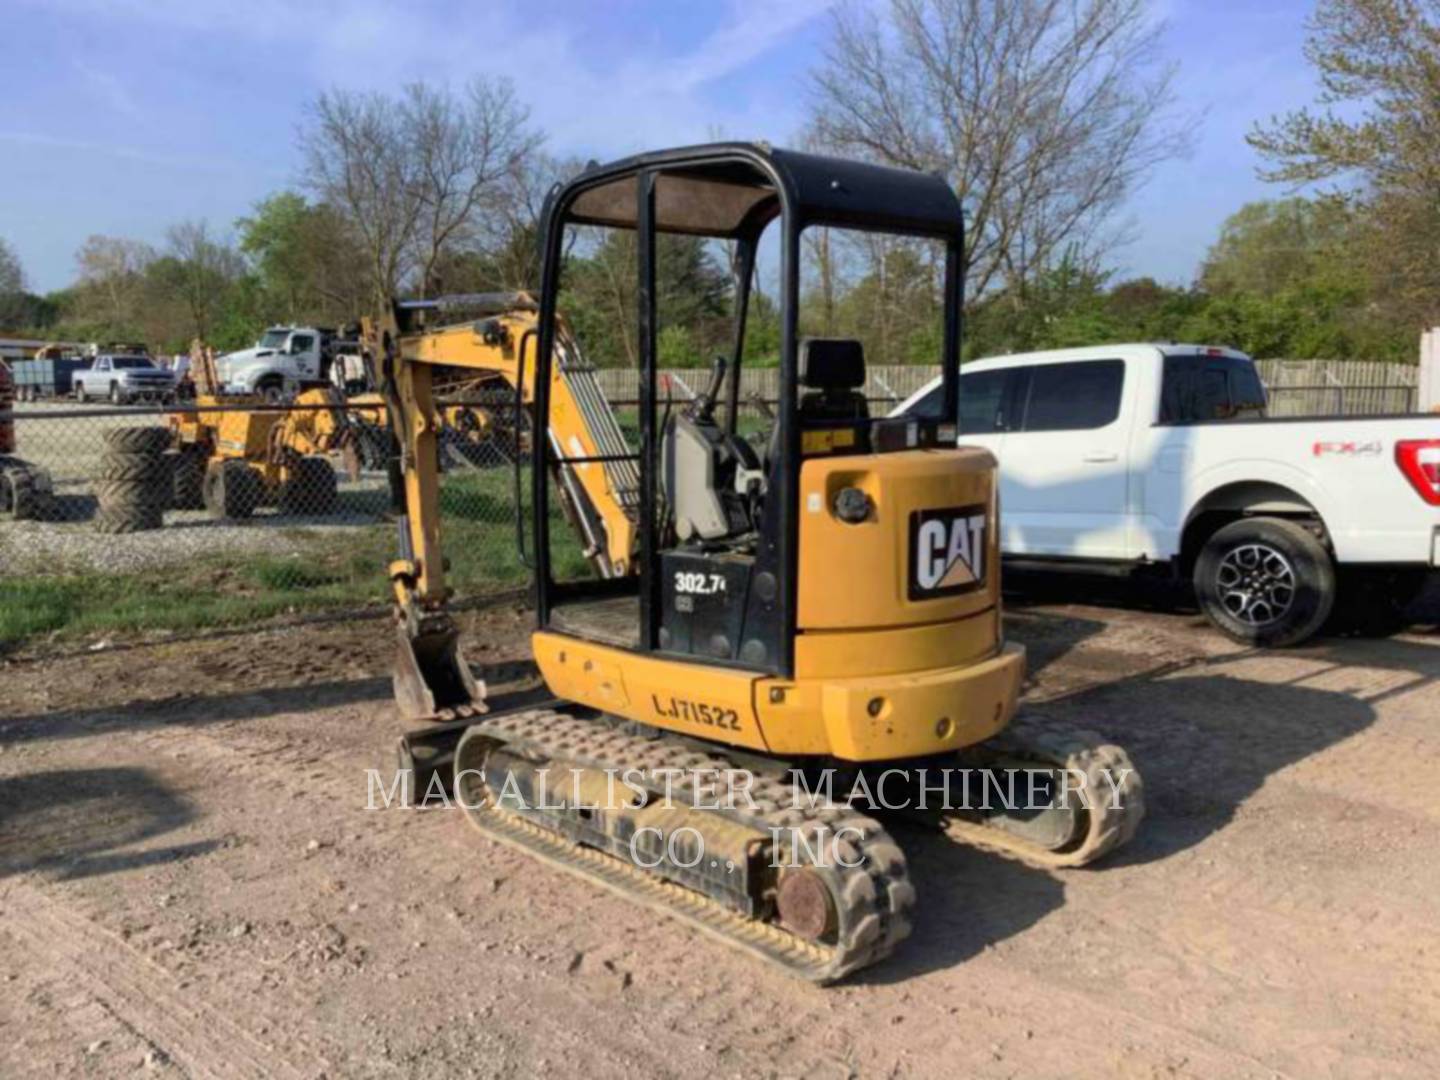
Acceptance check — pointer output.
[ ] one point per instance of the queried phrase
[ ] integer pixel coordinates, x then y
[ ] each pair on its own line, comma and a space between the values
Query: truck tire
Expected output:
117, 396
1374, 602
142, 517
138, 440
187, 478
133, 493
19, 501
151, 468
271, 393
1265, 581
310, 488
80, 394
232, 490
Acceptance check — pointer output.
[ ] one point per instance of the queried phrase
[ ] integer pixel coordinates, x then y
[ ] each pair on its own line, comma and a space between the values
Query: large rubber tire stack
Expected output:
134, 484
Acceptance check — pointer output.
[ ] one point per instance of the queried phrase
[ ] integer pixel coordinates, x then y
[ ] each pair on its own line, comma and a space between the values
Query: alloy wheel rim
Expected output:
1256, 583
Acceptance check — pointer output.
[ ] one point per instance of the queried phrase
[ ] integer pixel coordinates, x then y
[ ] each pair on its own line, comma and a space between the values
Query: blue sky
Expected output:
124, 116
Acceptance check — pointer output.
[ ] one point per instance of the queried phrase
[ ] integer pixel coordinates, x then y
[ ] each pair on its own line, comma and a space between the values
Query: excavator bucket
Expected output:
432, 681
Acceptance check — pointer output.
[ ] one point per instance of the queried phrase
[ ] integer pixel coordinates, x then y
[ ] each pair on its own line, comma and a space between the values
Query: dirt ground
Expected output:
190, 885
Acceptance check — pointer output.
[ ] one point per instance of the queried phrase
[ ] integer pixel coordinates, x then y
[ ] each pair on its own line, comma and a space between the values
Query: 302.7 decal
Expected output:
696, 583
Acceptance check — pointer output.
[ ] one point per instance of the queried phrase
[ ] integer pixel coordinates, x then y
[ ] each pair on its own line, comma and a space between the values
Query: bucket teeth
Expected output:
432, 680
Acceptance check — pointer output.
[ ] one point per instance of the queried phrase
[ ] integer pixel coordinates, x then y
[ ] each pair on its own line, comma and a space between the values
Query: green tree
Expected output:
309, 263
1374, 135
1265, 248
693, 298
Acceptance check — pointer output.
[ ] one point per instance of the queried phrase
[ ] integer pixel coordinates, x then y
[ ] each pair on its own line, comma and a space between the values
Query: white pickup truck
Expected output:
1128, 457
123, 379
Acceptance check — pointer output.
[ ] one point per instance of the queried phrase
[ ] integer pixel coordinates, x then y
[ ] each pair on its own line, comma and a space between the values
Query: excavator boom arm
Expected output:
596, 471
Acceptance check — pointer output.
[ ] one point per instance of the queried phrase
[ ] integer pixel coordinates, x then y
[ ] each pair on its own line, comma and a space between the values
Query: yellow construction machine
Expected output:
234, 453
823, 603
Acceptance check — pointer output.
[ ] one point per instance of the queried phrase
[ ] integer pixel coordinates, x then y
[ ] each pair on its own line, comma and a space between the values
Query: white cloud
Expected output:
178, 162
585, 99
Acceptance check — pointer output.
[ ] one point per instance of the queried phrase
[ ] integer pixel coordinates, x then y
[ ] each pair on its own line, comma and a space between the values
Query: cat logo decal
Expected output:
948, 550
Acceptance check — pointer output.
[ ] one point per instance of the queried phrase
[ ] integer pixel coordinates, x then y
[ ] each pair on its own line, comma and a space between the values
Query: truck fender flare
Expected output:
1256, 488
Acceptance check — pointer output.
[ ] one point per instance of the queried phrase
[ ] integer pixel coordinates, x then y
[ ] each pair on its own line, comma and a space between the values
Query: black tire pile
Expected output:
135, 480
187, 475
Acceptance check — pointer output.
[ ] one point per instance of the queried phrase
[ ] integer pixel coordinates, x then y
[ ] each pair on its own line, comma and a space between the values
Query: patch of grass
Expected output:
294, 573
327, 570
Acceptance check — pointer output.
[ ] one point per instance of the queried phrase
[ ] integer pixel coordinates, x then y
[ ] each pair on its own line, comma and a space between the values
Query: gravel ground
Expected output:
70, 449
35, 547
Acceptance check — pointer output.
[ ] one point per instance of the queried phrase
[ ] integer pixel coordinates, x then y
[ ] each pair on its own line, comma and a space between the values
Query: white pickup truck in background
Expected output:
1128, 457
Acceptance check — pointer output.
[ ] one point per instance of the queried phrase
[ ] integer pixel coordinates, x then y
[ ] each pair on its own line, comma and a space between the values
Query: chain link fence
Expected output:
133, 519
124, 520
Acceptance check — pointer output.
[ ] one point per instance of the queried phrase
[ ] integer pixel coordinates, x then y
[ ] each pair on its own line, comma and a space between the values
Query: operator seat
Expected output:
832, 371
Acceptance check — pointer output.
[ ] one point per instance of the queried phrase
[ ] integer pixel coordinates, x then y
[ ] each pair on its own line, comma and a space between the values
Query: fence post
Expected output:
1429, 370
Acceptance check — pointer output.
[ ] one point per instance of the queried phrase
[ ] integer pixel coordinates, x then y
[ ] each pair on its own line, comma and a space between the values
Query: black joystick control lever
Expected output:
703, 407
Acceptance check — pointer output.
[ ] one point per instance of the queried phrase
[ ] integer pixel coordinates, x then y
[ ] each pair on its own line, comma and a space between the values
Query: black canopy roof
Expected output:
727, 189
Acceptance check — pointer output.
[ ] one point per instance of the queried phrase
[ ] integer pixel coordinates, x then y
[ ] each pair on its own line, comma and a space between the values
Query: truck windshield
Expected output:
1201, 389
274, 339
120, 362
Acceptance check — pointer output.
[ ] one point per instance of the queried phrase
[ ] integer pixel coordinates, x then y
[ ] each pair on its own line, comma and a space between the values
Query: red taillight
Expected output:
1419, 460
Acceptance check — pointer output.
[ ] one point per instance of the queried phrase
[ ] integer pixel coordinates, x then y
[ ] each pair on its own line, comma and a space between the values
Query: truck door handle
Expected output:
1100, 457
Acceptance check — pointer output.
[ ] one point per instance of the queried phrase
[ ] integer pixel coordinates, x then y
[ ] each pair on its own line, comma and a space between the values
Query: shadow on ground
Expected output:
75, 823
201, 710
1205, 742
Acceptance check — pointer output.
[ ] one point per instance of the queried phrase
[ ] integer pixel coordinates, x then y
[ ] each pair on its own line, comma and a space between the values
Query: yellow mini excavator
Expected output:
822, 603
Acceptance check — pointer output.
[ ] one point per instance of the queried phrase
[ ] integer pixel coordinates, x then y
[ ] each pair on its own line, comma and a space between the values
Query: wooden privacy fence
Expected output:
894, 382
1429, 396
1296, 387
1338, 387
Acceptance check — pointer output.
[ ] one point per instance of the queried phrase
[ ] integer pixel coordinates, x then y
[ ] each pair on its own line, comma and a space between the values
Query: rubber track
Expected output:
874, 899
1107, 827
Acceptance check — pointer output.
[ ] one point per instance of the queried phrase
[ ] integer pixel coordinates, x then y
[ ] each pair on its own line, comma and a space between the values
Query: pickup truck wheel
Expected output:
116, 396
1265, 581
80, 394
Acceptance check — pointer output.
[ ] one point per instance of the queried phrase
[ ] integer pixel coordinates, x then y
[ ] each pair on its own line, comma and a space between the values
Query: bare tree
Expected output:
512, 233
1043, 114
113, 268
204, 268
414, 173
472, 155
12, 277
13, 301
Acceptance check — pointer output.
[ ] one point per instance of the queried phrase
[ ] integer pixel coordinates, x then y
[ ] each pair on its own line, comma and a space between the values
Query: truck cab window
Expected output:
982, 402
1200, 389
1079, 396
